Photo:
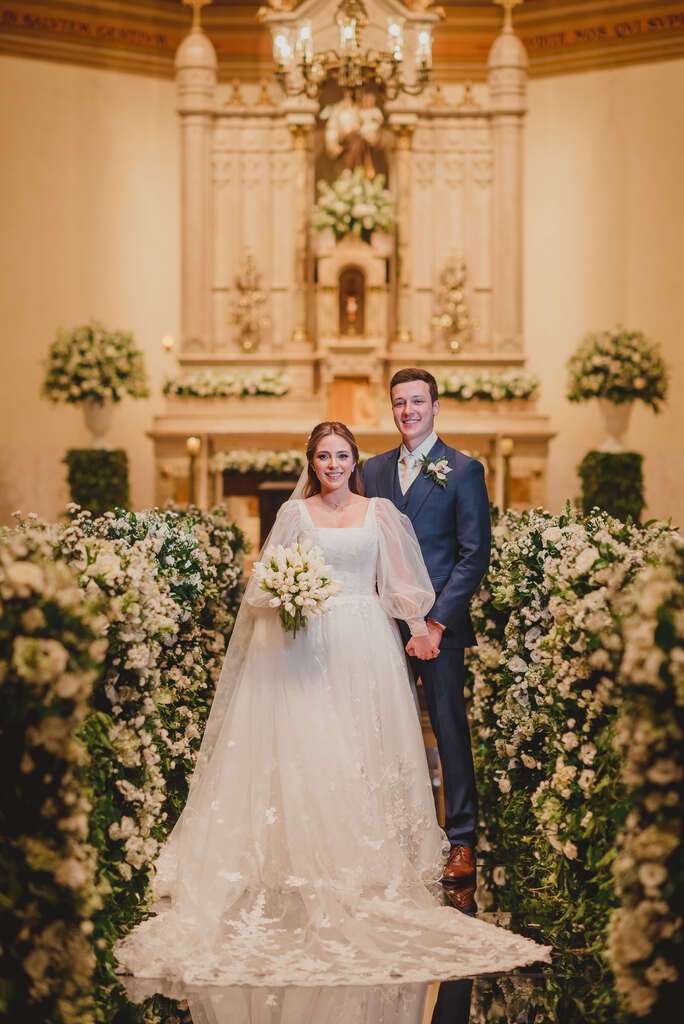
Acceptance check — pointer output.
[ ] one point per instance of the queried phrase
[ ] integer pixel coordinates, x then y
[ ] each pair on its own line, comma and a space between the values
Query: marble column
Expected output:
507, 87
196, 84
300, 119
403, 127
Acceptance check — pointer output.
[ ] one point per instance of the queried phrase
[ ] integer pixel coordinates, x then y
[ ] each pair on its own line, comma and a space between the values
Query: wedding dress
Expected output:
305, 851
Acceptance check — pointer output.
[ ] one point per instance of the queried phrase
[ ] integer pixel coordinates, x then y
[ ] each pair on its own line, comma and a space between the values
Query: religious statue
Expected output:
352, 131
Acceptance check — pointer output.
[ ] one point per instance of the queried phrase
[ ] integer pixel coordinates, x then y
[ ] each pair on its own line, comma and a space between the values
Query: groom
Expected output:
453, 528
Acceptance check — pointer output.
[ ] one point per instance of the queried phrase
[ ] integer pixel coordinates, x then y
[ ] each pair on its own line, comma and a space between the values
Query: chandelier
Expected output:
299, 70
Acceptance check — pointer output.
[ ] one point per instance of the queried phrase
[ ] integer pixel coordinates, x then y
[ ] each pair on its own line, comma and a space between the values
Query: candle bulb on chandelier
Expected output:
395, 38
424, 49
305, 41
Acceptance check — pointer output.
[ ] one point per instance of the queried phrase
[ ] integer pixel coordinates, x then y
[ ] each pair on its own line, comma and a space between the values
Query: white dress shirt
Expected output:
410, 462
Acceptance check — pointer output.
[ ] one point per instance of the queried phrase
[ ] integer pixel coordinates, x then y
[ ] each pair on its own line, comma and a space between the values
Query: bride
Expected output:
308, 846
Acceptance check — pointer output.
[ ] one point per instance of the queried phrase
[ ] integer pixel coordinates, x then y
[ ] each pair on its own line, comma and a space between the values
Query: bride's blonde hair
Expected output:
321, 430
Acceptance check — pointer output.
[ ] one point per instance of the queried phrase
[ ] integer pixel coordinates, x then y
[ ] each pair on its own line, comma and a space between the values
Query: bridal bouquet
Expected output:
300, 581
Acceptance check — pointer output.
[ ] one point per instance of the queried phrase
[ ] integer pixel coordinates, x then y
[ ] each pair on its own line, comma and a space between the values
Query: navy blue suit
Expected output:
452, 524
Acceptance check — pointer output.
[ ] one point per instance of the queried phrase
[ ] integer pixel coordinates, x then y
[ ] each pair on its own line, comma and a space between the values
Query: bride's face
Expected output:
333, 462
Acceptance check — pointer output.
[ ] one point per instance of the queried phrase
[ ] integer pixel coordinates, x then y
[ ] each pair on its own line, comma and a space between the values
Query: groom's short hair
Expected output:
410, 373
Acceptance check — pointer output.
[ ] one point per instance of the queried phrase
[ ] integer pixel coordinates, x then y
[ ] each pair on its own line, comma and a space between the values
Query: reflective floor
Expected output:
523, 997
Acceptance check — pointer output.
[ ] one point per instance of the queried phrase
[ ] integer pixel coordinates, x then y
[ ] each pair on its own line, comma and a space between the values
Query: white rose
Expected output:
585, 560
71, 873
26, 576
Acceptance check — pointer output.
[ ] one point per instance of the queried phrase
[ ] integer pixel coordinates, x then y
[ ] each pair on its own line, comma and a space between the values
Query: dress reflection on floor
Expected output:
384, 1004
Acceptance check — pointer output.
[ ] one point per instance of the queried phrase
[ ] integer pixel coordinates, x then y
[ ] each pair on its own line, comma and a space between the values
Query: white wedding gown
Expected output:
309, 835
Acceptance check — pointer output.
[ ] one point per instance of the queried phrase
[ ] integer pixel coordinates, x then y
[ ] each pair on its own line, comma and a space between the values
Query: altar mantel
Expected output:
338, 321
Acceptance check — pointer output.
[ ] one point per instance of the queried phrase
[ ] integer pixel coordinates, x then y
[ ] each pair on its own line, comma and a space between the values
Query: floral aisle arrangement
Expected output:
544, 697
353, 204
50, 660
300, 582
646, 935
92, 364
202, 384
166, 586
619, 365
487, 386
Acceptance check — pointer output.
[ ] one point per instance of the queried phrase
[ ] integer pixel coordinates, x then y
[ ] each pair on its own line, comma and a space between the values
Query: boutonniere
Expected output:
436, 471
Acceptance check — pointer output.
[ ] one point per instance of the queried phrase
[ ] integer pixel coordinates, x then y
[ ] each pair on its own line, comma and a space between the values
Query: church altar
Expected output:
264, 292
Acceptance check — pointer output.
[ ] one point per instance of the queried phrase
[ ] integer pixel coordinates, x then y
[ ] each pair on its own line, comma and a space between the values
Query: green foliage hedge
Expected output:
98, 479
613, 482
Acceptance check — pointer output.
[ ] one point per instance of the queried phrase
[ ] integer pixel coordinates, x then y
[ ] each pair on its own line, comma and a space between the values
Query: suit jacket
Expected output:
453, 528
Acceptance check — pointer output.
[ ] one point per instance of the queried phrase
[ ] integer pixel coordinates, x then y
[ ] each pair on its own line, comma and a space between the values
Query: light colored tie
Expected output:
408, 470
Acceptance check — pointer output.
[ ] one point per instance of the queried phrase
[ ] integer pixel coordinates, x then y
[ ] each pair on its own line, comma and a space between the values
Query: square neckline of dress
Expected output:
361, 526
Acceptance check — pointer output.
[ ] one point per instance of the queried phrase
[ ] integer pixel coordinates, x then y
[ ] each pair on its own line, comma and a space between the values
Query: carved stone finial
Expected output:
438, 97
468, 102
508, 6
235, 99
197, 6
264, 97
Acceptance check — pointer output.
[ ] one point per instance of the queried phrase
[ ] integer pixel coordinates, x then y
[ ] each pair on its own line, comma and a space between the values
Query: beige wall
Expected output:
89, 227
89, 223
605, 243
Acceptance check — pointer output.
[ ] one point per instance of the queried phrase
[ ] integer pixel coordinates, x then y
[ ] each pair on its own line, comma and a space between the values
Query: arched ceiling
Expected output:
142, 35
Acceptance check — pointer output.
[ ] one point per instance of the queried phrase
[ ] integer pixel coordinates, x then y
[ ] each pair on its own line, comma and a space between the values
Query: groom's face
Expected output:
414, 411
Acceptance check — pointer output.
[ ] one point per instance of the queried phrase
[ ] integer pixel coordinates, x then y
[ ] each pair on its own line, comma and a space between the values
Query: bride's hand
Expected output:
421, 647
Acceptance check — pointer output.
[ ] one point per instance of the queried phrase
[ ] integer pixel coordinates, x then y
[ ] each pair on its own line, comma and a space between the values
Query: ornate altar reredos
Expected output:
263, 290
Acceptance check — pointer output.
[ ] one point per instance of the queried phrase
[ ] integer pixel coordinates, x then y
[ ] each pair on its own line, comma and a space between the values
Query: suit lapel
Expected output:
423, 485
385, 486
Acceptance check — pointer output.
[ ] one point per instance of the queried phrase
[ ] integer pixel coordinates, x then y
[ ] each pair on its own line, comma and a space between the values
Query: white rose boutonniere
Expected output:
436, 471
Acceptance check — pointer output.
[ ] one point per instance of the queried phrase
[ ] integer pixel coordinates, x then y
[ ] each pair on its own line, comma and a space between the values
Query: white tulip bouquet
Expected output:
300, 581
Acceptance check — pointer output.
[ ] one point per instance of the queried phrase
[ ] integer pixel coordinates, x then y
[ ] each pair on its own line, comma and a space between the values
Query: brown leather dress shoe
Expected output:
460, 865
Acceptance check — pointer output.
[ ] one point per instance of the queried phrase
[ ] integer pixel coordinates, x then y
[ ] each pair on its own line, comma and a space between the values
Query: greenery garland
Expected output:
90, 363
613, 482
620, 365
98, 479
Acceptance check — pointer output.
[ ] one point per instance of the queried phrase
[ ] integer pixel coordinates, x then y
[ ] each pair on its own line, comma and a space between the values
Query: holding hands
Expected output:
426, 648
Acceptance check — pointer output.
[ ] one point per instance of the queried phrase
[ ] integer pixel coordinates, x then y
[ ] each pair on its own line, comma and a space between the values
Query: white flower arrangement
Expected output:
300, 582
488, 386
245, 461
90, 363
620, 365
353, 204
271, 463
203, 384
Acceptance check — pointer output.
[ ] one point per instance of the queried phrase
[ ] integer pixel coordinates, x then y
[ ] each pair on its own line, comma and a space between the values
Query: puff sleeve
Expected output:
404, 586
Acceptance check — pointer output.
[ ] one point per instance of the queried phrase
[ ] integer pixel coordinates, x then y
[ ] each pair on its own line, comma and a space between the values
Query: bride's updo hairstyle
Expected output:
313, 484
